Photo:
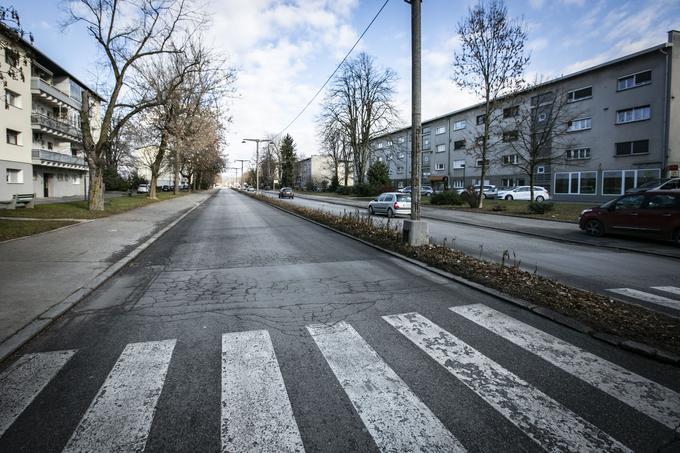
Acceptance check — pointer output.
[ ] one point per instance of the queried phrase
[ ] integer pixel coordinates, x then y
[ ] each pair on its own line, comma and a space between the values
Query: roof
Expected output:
547, 83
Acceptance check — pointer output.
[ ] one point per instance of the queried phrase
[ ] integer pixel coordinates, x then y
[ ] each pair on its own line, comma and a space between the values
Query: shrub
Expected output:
446, 198
469, 197
364, 190
344, 190
335, 183
536, 207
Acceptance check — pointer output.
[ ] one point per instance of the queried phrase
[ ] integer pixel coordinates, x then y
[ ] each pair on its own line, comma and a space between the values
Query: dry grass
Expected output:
12, 229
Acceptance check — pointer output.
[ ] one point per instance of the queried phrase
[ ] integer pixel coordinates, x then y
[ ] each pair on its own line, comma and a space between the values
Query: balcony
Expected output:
54, 159
55, 127
51, 93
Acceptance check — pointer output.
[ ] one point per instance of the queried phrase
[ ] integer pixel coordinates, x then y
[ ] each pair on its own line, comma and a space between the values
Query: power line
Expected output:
334, 71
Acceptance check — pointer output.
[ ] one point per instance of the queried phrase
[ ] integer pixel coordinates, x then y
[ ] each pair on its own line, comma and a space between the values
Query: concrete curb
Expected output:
18, 339
525, 233
544, 312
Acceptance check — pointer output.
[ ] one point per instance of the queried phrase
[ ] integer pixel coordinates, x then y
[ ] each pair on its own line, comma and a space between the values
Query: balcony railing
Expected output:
54, 157
56, 125
40, 85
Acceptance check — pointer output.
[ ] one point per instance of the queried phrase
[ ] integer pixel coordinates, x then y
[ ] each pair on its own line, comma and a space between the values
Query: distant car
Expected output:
143, 188
184, 186
424, 190
657, 184
250, 189
166, 188
286, 192
490, 191
524, 193
654, 214
390, 204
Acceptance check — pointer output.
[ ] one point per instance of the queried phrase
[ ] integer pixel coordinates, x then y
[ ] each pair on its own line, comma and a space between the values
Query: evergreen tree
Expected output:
288, 159
378, 175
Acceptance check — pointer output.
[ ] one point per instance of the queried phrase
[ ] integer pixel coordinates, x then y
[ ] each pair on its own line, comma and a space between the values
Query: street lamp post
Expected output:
257, 157
241, 160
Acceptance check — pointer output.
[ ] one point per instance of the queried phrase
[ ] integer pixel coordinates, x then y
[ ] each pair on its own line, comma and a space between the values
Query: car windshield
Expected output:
403, 197
649, 184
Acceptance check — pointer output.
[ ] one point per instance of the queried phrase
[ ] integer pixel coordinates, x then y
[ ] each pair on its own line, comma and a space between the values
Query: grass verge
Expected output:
78, 209
12, 229
598, 312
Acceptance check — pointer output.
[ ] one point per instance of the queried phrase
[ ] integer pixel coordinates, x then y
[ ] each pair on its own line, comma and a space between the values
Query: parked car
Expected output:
654, 214
390, 204
490, 191
657, 184
250, 189
424, 190
524, 193
286, 192
166, 188
184, 186
143, 188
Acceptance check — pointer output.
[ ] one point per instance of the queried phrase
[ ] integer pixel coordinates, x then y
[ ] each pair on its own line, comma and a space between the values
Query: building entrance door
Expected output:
46, 184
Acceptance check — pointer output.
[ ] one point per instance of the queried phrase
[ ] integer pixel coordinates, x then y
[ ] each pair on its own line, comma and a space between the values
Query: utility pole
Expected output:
241, 160
415, 231
257, 158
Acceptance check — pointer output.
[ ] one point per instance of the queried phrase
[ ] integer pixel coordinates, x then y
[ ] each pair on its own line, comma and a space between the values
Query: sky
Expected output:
284, 50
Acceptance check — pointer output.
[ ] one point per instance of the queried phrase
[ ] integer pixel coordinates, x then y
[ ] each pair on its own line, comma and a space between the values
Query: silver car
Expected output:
391, 204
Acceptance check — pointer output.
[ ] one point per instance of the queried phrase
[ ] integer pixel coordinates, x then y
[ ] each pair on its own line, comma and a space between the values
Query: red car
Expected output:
653, 214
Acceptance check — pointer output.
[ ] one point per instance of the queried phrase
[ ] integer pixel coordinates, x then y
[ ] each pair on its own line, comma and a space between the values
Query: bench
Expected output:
20, 199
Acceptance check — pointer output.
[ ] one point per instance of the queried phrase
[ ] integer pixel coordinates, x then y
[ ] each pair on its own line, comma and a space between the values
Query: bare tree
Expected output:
360, 103
541, 130
127, 32
12, 41
334, 144
491, 62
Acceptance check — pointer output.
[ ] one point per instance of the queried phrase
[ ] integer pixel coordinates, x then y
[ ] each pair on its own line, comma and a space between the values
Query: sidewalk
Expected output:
44, 275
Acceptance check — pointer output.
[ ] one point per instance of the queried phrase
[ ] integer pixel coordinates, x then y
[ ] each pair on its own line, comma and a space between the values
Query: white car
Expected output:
143, 188
524, 193
391, 204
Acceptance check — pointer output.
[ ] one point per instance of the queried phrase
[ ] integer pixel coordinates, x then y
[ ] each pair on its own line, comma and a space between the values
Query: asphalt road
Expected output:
599, 269
245, 328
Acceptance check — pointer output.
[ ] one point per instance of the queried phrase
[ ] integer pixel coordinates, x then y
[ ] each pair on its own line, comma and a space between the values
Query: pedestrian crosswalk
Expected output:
257, 413
651, 298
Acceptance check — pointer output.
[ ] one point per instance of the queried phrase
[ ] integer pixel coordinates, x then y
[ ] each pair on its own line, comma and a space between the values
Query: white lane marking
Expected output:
24, 380
553, 426
668, 289
648, 397
395, 417
256, 411
120, 416
647, 297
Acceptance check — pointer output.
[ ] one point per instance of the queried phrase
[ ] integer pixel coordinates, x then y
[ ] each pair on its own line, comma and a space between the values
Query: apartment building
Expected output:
41, 148
624, 131
316, 169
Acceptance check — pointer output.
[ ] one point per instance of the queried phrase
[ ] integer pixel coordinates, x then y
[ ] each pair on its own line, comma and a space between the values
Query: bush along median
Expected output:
594, 311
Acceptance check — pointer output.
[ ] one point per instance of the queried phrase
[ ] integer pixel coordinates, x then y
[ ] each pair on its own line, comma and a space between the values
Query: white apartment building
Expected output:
41, 147
316, 169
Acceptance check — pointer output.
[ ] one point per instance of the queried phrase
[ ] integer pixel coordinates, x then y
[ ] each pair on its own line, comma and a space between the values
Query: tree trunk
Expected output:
176, 190
531, 184
96, 190
156, 166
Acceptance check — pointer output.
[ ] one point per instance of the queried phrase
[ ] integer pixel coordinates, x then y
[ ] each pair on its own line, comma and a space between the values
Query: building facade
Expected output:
317, 171
624, 131
41, 148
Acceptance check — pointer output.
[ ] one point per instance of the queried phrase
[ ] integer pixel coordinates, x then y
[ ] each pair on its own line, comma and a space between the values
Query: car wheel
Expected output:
371, 211
540, 199
509, 197
484, 196
595, 228
676, 237
390, 213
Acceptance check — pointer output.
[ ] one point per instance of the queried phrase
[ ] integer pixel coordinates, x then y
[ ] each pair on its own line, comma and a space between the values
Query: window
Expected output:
426, 130
542, 99
634, 80
580, 94
389, 142
616, 182
511, 111
458, 184
458, 164
576, 183
426, 143
511, 159
401, 155
542, 117
480, 119
512, 182
510, 136
630, 148
661, 201
439, 167
459, 144
14, 176
426, 158
540, 170
629, 202
440, 130
12, 98
76, 179
479, 162
401, 139
634, 114
580, 124
11, 58
400, 169
441, 148
577, 153
13, 137
458, 125
380, 145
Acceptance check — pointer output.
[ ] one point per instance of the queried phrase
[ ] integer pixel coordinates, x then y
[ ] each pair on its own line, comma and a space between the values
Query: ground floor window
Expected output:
14, 176
76, 179
512, 182
576, 183
458, 184
616, 182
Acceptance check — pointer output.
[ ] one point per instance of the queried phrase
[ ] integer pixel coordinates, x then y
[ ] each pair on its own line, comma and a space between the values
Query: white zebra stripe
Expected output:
648, 397
120, 416
24, 380
547, 422
395, 417
668, 289
647, 297
256, 411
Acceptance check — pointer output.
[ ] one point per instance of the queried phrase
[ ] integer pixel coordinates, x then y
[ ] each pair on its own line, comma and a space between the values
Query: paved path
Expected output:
39, 272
